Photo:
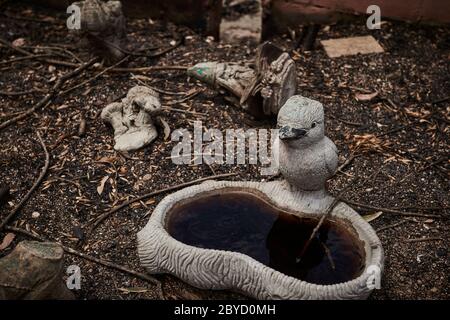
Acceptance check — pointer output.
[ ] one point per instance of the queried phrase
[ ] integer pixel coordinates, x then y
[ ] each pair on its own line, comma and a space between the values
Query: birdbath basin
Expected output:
248, 236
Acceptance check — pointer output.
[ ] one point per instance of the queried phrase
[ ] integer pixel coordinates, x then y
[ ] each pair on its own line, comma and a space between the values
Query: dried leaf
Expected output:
166, 128
135, 205
366, 96
133, 290
107, 159
372, 216
9, 237
101, 185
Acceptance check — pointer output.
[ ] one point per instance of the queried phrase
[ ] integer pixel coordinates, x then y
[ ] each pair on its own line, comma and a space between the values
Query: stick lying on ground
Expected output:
319, 224
393, 211
50, 94
76, 65
35, 185
103, 216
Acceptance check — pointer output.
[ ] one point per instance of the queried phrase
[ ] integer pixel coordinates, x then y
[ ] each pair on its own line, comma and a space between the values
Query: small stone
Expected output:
19, 42
434, 290
147, 177
35, 215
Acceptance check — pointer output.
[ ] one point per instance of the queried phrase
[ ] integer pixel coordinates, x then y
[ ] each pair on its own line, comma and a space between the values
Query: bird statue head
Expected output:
301, 121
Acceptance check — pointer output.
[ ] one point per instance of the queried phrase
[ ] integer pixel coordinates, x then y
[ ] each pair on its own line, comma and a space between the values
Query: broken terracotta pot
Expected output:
131, 118
261, 90
103, 26
33, 271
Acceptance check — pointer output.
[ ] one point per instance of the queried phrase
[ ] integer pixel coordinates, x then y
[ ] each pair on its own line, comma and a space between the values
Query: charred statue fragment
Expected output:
261, 89
103, 27
33, 271
131, 118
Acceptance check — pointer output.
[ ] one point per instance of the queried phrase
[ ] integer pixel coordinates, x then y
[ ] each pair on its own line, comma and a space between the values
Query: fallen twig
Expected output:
37, 57
145, 69
429, 165
392, 225
35, 185
94, 77
184, 111
330, 257
16, 93
424, 239
347, 162
138, 54
355, 124
57, 22
83, 255
154, 88
188, 97
403, 213
103, 216
77, 65
319, 224
50, 94
33, 56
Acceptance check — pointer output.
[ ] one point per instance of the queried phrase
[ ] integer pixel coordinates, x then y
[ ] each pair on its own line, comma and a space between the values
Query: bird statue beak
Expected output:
288, 133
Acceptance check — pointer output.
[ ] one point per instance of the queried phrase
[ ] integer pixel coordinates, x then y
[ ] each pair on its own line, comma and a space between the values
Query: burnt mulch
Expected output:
396, 140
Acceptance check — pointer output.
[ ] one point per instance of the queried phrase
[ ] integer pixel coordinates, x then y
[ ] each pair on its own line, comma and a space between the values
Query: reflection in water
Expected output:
241, 222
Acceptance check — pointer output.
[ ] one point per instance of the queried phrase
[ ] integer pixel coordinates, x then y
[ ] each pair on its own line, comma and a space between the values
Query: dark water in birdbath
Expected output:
243, 222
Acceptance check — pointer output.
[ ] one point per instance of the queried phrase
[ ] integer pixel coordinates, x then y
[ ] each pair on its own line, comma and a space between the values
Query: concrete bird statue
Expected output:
307, 158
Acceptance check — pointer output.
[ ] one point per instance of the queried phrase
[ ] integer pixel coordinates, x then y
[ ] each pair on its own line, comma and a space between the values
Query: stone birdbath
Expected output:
250, 237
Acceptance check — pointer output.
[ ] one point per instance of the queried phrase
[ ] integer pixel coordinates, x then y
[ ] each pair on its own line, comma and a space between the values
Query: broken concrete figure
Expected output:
102, 24
261, 90
241, 21
132, 120
33, 271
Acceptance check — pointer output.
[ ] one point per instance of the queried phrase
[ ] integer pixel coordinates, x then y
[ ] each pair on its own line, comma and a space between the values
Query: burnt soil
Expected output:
399, 139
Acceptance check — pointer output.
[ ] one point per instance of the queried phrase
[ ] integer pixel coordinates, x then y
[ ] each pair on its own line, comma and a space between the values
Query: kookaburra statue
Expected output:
306, 157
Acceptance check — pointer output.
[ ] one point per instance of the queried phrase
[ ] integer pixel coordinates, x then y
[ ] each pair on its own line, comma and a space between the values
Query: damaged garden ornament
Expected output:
261, 90
248, 236
132, 120
101, 24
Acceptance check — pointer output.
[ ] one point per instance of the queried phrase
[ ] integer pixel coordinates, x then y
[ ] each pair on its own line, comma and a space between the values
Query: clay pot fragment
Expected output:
33, 271
131, 118
263, 89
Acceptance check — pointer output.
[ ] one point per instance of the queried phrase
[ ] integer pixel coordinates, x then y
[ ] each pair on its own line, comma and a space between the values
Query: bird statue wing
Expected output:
331, 157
